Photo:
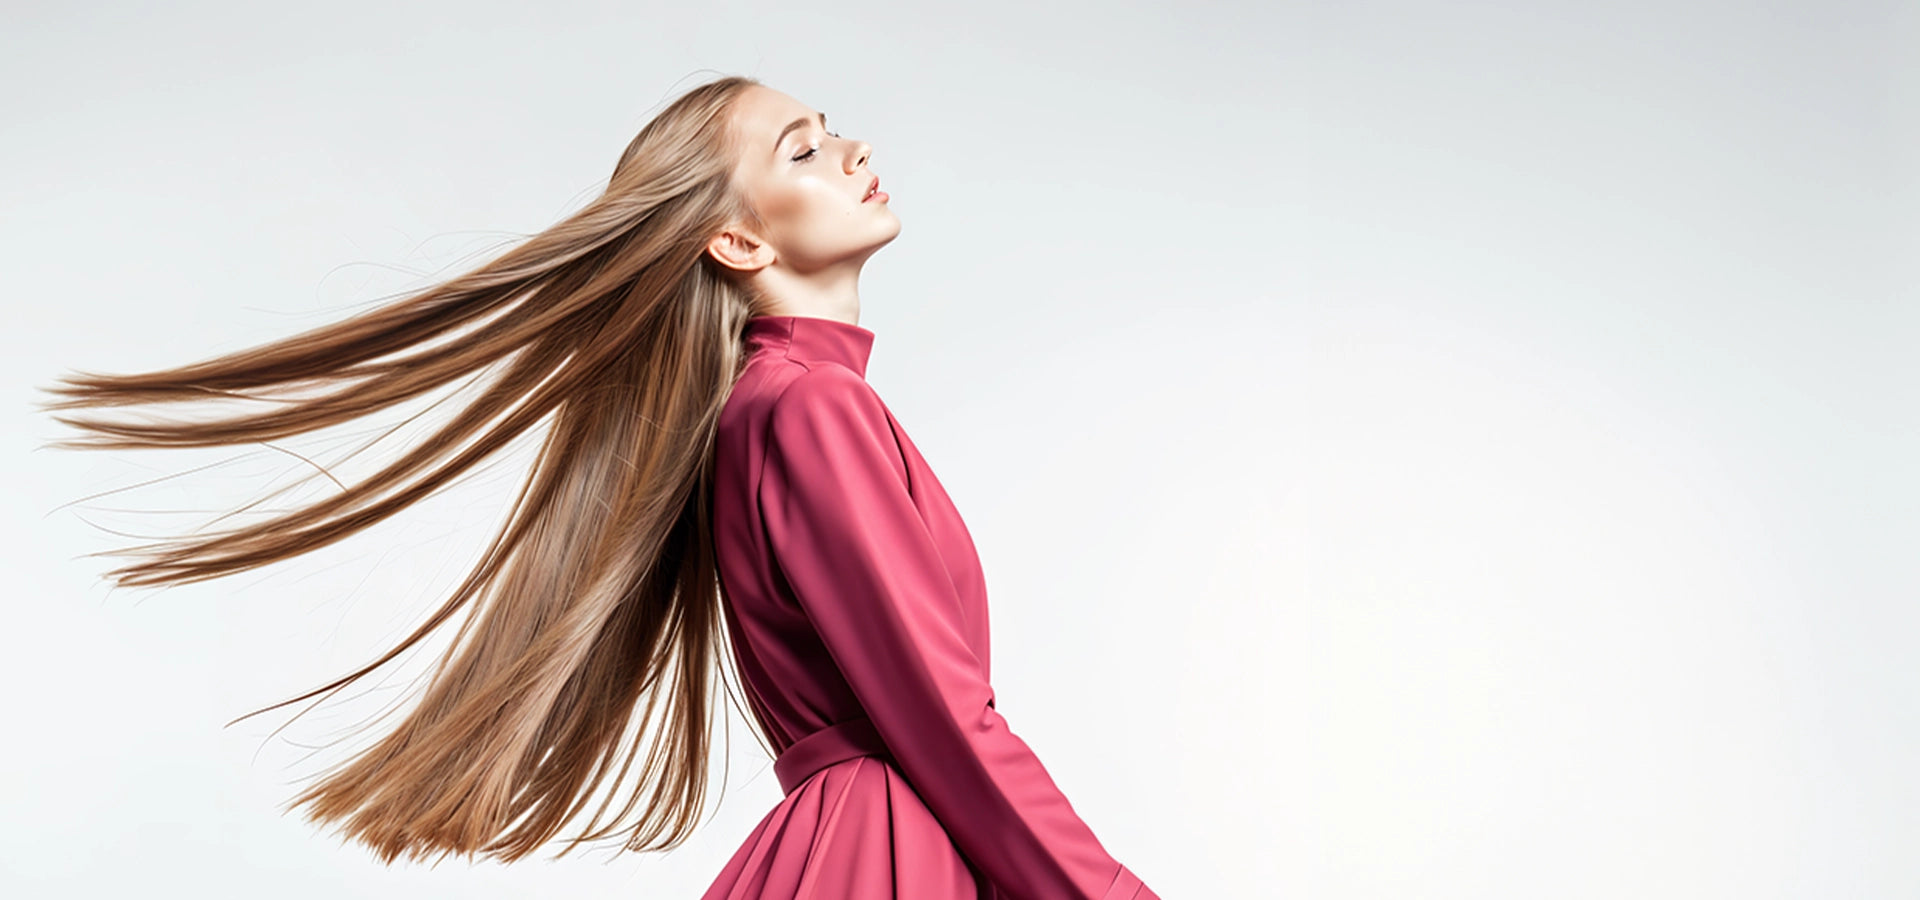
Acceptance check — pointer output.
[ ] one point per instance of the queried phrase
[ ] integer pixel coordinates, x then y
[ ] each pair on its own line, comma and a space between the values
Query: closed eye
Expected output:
811, 151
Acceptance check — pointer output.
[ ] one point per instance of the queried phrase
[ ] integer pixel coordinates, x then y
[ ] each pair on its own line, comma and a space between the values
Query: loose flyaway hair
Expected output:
617, 336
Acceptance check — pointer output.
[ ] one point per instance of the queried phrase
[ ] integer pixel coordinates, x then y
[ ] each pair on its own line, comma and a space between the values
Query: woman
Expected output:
716, 462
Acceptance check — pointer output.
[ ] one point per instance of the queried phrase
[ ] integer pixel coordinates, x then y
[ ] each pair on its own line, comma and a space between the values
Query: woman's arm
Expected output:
857, 554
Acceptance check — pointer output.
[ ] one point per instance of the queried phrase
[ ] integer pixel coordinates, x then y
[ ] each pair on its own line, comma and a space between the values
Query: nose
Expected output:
861, 151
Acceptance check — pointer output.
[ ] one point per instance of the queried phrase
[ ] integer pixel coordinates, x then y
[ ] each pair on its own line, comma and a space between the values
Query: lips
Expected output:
872, 189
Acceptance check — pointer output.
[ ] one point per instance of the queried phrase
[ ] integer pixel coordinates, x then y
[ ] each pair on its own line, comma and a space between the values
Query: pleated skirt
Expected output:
853, 830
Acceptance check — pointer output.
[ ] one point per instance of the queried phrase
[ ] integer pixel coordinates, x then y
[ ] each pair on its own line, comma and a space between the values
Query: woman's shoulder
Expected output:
808, 383
782, 389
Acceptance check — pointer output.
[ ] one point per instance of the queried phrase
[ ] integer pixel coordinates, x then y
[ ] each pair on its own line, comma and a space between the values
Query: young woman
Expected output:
716, 477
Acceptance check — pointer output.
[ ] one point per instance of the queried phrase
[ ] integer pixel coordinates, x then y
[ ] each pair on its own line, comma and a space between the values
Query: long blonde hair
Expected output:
601, 591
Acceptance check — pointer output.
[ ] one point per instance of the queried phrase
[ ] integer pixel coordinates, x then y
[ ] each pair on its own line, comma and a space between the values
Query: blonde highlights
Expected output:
599, 597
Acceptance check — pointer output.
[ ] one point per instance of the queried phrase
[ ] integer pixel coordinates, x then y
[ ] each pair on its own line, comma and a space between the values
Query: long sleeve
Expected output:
846, 535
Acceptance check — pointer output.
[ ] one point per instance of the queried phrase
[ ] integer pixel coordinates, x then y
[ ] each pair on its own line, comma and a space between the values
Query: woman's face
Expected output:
809, 186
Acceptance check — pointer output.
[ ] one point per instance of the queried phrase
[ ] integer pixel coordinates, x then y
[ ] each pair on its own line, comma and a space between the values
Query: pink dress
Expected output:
858, 616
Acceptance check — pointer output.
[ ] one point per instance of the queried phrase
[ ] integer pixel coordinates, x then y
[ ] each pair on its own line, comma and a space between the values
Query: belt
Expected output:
835, 743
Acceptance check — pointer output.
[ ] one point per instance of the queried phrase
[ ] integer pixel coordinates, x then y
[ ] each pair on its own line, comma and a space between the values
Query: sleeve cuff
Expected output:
1128, 886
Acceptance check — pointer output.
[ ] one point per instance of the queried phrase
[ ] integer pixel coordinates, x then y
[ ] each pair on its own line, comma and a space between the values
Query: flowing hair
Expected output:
601, 590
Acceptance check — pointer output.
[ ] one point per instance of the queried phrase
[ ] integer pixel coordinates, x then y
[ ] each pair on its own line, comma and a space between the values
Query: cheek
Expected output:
796, 196
780, 204
795, 212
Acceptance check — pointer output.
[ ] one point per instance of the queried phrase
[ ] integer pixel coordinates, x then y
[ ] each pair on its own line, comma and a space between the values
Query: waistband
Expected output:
835, 743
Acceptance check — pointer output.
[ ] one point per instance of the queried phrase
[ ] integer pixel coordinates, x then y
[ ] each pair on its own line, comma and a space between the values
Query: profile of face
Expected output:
810, 188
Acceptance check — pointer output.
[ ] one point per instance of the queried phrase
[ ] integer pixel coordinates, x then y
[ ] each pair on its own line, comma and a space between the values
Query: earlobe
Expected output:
736, 250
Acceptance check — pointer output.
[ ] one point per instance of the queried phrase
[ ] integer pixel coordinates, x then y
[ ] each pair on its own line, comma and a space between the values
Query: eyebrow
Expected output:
797, 123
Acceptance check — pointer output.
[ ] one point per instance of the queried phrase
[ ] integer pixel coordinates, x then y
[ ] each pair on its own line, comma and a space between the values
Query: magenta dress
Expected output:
858, 614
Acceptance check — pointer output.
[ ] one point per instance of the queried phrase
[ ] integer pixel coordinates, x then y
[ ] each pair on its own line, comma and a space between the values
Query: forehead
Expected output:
760, 112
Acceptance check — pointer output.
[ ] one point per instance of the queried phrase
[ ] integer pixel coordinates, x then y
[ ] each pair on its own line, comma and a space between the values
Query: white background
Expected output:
1416, 450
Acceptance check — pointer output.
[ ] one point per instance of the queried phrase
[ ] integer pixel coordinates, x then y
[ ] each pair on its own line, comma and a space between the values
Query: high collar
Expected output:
811, 338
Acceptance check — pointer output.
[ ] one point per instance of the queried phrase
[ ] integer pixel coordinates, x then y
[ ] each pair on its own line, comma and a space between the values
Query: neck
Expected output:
831, 293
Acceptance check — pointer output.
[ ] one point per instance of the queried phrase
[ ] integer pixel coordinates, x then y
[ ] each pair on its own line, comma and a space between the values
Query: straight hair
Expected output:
599, 597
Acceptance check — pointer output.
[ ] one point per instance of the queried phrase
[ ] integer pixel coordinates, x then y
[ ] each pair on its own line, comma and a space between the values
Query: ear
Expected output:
739, 248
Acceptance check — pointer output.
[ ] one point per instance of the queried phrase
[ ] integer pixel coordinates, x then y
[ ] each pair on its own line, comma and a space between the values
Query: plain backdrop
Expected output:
1455, 450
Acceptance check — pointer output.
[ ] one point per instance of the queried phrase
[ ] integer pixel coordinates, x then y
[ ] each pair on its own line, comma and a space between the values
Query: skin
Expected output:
818, 234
